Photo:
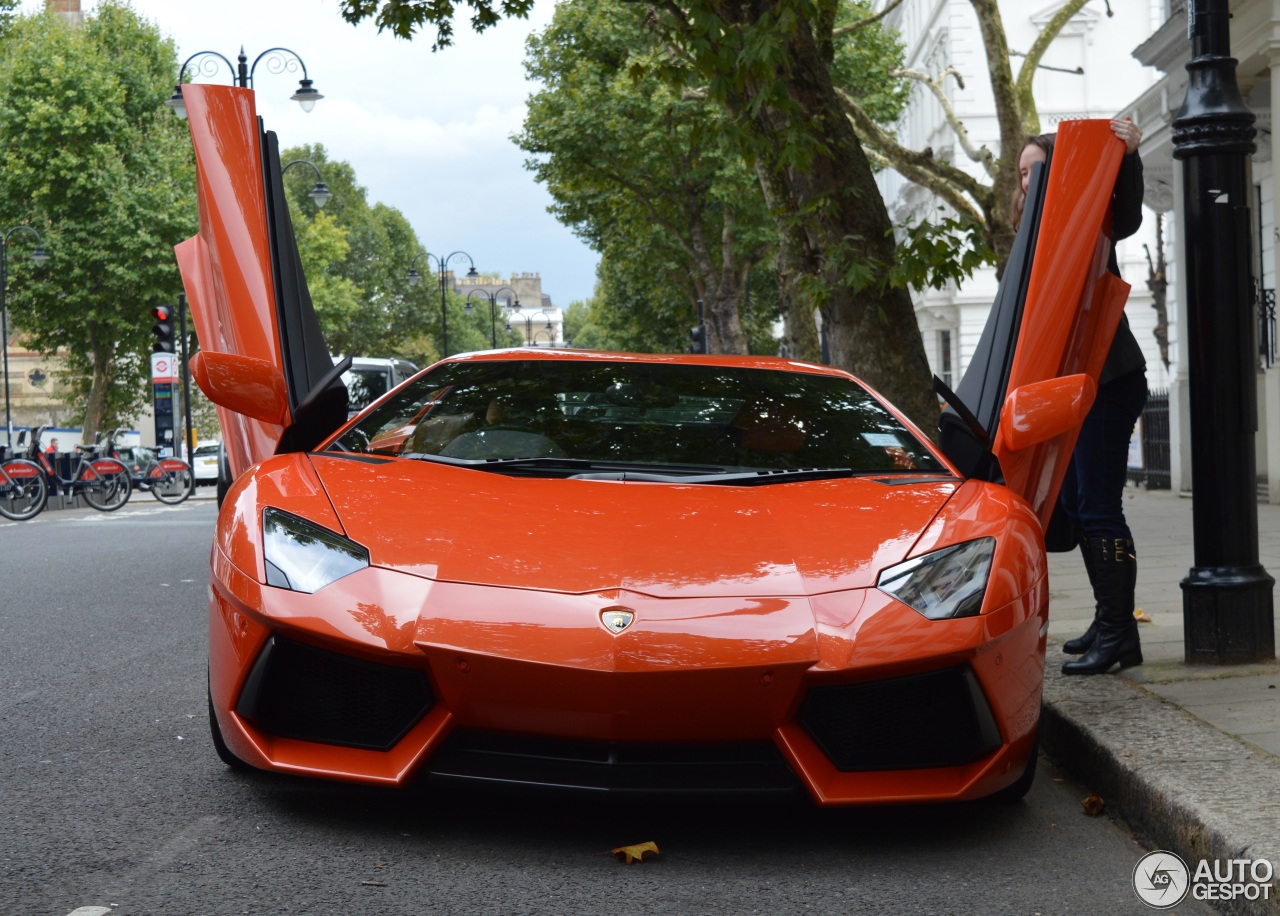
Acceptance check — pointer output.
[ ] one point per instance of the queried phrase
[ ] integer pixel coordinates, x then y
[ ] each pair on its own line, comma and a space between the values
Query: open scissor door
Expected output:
263, 359
1016, 413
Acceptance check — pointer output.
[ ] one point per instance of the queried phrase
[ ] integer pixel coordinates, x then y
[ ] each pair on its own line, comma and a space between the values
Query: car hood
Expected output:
460, 525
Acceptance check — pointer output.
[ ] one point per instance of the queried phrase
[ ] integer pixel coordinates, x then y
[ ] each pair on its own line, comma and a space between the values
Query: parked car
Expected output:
369, 378
204, 461
628, 572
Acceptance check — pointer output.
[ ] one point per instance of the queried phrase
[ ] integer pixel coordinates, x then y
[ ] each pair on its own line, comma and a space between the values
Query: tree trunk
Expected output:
834, 229
720, 289
96, 409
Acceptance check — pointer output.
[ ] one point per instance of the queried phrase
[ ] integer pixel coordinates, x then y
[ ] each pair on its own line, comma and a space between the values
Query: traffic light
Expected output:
163, 329
699, 334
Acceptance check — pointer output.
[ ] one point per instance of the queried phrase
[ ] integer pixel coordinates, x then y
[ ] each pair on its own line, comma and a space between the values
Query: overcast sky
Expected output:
428, 134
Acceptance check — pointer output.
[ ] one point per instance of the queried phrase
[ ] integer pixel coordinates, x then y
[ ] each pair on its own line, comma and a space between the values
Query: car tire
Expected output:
220, 746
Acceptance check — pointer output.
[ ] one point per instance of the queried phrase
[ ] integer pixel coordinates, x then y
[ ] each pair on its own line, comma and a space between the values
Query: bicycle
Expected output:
103, 481
23, 490
169, 480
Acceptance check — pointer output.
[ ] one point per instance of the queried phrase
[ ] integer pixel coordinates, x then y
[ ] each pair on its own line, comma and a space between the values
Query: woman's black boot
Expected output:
1081, 644
1116, 572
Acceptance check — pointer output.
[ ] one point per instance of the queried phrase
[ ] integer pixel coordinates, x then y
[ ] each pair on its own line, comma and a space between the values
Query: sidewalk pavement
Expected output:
1188, 755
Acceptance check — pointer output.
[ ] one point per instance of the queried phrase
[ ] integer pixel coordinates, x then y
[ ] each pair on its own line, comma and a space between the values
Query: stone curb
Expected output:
1181, 784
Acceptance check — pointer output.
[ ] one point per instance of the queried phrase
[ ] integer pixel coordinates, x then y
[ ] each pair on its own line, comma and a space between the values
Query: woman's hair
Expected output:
1019, 199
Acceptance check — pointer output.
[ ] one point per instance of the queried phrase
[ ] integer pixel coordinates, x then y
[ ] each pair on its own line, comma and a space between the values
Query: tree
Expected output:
983, 218
90, 157
642, 174
771, 69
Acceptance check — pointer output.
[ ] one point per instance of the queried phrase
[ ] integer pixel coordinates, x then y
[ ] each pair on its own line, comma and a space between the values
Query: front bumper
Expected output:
853, 696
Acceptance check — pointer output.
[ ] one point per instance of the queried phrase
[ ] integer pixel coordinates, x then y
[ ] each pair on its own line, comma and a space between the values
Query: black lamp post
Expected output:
320, 193
278, 60
39, 257
549, 329
493, 309
442, 267
1227, 595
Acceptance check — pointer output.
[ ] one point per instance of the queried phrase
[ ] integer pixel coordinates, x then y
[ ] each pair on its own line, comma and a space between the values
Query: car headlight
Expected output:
945, 583
302, 556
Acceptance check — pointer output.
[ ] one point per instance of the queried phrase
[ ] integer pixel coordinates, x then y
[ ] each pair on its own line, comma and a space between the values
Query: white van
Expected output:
370, 378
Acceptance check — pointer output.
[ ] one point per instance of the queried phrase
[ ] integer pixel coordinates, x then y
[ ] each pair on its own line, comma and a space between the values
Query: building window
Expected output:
944, 357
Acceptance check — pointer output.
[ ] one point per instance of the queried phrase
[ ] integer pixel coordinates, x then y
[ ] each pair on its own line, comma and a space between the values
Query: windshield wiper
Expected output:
763, 477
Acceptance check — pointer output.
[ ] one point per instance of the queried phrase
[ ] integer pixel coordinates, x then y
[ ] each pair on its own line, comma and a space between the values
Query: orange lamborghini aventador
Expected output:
634, 573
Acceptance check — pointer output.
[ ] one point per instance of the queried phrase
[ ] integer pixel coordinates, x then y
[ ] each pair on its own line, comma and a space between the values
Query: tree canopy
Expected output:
92, 159
771, 70
643, 175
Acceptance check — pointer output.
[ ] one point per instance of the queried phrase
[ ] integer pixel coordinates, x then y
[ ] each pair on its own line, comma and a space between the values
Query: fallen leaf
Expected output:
1092, 805
1140, 616
629, 854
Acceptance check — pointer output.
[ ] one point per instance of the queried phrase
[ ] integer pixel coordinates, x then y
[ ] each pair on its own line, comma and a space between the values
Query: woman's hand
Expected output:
1130, 133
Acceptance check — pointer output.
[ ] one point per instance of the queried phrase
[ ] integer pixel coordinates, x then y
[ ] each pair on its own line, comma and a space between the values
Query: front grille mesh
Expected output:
938, 719
299, 691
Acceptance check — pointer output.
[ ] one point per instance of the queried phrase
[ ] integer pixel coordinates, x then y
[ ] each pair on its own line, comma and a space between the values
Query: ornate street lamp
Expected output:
320, 193
39, 256
530, 337
442, 267
278, 60
1227, 604
493, 309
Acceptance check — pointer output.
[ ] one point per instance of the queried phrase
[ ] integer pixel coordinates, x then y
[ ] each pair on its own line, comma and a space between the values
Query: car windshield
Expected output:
681, 417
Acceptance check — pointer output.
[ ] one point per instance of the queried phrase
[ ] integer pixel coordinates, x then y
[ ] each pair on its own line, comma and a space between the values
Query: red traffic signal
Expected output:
163, 328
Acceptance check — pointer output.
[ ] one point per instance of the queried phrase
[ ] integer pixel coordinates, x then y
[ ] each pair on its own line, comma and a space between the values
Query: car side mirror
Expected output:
253, 387
1040, 411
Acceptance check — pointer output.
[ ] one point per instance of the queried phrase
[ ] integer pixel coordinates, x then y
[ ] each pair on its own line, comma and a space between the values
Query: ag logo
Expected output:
1161, 879
617, 619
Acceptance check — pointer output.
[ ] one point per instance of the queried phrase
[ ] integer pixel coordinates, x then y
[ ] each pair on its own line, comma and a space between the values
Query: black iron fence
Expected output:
1154, 474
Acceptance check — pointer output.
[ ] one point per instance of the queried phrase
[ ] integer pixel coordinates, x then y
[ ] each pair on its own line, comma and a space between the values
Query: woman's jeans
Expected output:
1093, 489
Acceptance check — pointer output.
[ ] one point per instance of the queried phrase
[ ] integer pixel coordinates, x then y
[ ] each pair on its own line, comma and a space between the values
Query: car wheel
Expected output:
220, 746
1015, 791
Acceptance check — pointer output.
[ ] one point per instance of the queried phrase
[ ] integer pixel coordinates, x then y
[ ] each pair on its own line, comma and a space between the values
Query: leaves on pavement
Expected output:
636, 853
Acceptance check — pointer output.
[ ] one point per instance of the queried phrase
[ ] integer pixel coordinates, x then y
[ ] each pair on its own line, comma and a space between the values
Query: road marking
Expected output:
91, 911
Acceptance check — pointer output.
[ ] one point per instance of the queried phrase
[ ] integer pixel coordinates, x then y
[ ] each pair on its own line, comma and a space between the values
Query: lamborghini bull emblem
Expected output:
617, 619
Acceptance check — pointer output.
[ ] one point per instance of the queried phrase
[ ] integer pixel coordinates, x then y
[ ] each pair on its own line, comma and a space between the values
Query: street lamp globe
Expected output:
320, 194
306, 96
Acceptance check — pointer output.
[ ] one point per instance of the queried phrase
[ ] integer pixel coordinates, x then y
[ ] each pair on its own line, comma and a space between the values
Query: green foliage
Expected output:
862, 62
634, 311
641, 173
356, 257
405, 17
92, 159
937, 253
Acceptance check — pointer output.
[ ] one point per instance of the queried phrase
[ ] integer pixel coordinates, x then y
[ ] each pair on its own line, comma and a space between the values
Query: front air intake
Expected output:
299, 691
940, 719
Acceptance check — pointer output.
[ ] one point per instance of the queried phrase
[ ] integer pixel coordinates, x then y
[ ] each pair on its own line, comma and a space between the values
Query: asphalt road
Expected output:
111, 795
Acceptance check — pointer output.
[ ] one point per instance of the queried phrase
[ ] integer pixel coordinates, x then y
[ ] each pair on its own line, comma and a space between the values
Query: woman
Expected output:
1093, 490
